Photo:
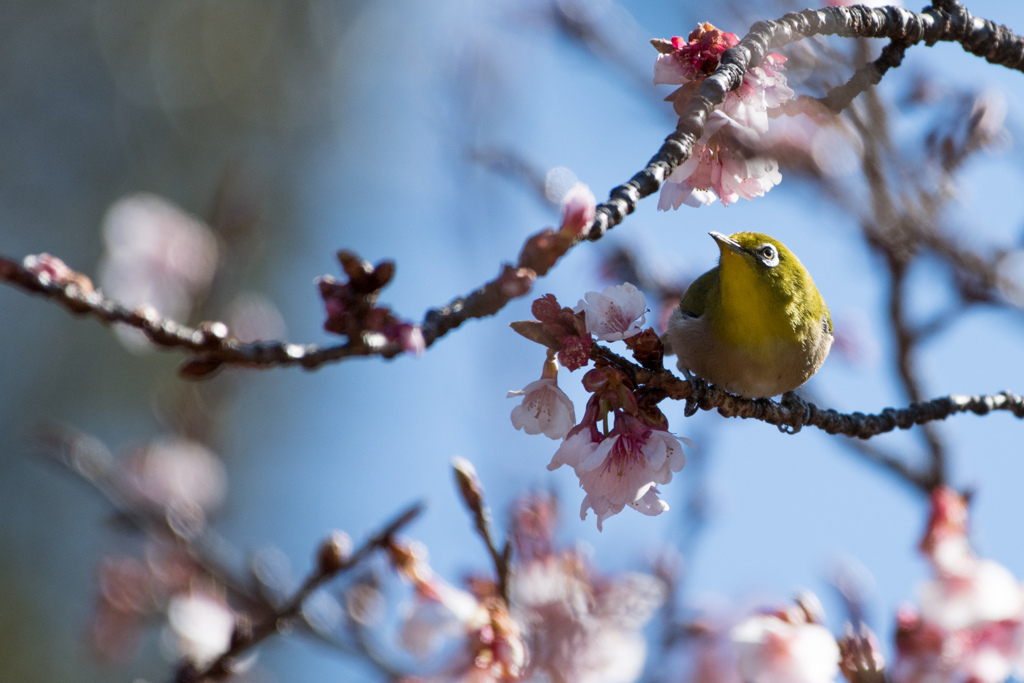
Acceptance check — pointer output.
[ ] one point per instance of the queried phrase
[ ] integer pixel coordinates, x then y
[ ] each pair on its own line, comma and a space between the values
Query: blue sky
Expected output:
349, 445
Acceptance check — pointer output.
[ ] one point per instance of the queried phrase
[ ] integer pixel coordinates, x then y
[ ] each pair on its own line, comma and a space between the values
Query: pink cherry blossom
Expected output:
745, 110
578, 445
693, 58
545, 408
720, 167
773, 650
970, 624
715, 170
625, 468
616, 313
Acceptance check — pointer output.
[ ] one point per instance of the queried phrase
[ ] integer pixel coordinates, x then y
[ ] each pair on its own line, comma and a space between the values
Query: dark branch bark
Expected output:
793, 413
947, 21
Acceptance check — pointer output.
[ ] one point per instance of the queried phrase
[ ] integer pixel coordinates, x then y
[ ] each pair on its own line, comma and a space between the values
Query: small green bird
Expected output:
756, 325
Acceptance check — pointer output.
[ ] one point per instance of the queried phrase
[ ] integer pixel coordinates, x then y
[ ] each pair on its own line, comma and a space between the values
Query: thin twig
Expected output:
223, 666
472, 492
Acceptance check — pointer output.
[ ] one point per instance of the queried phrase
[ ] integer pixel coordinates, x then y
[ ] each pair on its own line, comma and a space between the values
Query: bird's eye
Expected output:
768, 255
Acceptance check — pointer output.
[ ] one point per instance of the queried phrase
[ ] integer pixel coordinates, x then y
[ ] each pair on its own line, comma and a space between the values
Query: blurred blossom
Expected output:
566, 622
440, 609
443, 612
323, 613
784, 649
253, 317
713, 655
534, 518
199, 627
616, 313
860, 655
124, 599
175, 474
364, 603
987, 120
580, 625
721, 167
545, 408
492, 645
156, 256
820, 143
130, 591
969, 623
272, 570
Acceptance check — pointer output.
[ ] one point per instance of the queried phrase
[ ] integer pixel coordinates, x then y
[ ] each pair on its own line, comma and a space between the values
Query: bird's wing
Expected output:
694, 301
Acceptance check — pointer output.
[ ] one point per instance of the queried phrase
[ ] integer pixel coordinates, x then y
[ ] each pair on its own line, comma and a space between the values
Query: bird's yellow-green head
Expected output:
764, 292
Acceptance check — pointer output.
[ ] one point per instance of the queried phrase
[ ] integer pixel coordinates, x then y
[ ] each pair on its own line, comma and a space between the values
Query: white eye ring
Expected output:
768, 255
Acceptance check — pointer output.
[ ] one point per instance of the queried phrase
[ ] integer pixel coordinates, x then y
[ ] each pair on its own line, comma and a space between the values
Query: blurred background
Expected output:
425, 133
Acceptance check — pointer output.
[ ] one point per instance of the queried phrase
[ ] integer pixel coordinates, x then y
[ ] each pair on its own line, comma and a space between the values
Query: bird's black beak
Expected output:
727, 243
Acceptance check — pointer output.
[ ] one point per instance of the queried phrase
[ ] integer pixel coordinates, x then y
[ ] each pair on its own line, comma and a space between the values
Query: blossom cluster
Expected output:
563, 620
969, 624
158, 258
618, 467
721, 166
181, 482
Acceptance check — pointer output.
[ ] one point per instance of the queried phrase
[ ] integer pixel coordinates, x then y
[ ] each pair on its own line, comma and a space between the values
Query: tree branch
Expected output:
793, 413
213, 348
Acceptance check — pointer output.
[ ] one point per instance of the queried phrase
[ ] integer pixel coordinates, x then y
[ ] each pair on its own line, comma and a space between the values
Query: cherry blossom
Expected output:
970, 623
721, 166
616, 313
625, 468
715, 170
545, 408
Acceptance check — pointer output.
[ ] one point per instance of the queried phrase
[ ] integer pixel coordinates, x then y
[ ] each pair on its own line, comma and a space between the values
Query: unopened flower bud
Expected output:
578, 211
334, 553
546, 309
470, 487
